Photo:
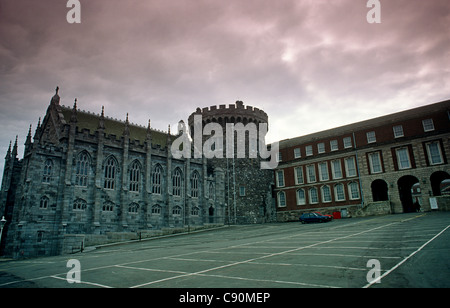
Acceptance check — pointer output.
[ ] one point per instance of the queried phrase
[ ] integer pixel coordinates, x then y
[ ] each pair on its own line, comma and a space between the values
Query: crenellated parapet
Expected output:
233, 113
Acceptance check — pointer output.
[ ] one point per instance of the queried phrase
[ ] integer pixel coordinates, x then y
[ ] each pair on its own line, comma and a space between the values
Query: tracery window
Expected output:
194, 185
176, 183
156, 180
110, 173
133, 208
46, 176
79, 205
82, 169
43, 204
135, 172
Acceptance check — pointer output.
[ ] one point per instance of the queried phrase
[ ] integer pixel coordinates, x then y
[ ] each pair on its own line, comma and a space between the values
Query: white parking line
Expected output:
259, 258
405, 259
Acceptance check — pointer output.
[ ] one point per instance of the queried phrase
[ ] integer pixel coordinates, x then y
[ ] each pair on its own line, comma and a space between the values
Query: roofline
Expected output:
366, 124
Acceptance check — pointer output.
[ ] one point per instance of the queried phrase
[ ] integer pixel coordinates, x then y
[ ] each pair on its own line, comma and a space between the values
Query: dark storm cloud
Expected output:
310, 64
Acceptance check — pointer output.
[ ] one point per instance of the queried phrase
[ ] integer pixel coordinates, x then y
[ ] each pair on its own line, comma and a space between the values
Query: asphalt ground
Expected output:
395, 251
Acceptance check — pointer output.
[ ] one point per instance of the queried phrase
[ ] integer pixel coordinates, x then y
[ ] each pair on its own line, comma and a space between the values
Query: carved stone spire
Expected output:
101, 122
126, 130
73, 116
55, 99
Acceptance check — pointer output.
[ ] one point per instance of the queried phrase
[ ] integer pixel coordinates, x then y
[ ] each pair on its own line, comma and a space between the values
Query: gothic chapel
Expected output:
84, 174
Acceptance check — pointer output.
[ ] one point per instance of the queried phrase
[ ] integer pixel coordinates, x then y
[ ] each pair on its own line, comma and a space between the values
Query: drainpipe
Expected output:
359, 173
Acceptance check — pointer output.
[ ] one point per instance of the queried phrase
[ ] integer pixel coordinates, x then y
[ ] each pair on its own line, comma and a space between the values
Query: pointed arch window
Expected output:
177, 183
48, 168
177, 211
135, 172
212, 191
43, 204
79, 205
194, 185
82, 169
156, 180
156, 209
133, 208
195, 211
110, 173
108, 207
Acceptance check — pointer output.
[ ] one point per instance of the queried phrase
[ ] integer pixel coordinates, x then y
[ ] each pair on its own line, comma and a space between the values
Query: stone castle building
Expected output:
84, 176
248, 187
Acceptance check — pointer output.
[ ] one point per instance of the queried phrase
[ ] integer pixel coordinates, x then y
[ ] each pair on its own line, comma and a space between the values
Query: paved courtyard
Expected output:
409, 250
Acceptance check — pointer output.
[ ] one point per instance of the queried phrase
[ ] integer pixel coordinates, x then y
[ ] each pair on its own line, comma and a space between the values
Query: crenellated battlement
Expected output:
232, 113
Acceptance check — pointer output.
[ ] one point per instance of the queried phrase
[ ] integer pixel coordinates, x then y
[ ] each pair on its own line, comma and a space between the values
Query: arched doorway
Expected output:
405, 185
211, 214
379, 190
436, 179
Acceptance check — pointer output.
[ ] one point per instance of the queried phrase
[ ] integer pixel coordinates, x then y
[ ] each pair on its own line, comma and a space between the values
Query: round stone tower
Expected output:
248, 188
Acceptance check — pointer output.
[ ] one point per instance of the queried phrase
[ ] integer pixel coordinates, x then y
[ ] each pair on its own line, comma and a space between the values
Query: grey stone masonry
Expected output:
85, 174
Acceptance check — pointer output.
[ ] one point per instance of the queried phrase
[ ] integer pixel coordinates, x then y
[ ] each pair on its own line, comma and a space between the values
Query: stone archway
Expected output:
436, 179
211, 214
379, 190
405, 185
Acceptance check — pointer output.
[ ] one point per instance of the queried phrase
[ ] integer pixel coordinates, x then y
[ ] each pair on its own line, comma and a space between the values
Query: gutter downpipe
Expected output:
359, 173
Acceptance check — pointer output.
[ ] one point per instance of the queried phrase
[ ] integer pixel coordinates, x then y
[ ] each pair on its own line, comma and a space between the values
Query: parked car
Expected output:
313, 217
326, 215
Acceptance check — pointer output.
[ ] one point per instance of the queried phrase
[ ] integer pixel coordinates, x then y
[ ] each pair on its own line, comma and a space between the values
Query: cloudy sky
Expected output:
310, 64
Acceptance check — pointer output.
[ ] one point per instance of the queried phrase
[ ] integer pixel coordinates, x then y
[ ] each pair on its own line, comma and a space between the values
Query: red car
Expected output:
329, 216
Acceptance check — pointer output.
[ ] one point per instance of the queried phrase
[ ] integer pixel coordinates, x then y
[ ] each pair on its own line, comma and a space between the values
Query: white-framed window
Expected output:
375, 162
311, 173
326, 193
334, 145
297, 153
135, 174
347, 142
428, 125
301, 197
82, 170
110, 173
353, 191
434, 153
350, 167
313, 196
298, 171
177, 187
403, 159
339, 192
323, 172
398, 131
309, 150
280, 178
47, 174
279, 157
281, 196
156, 179
321, 148
371, 138
336, 169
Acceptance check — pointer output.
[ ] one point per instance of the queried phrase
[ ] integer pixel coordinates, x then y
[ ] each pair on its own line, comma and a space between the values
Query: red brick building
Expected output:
390, 164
